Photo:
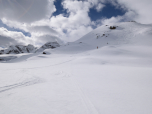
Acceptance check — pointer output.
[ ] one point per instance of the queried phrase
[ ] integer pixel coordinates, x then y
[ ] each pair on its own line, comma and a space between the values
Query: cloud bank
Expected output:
36, 17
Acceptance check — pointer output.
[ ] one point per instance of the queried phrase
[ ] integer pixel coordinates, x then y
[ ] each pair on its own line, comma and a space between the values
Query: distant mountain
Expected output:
48, 45
17, 49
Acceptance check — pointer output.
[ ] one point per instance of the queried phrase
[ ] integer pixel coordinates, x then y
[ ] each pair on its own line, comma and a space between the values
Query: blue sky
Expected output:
59, 8
107, 12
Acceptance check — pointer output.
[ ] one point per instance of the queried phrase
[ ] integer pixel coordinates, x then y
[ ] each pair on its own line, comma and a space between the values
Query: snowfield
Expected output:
78, 78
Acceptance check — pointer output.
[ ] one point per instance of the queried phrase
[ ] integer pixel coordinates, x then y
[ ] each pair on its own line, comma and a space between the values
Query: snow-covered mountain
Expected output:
123, 33
18, 49
107, 71
48, 45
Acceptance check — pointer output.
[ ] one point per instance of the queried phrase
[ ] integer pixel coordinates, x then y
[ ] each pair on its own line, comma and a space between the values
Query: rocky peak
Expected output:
48, 45
17, 49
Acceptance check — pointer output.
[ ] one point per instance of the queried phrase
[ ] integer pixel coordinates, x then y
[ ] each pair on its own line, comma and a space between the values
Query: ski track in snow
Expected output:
25, 82
89, 106
34, 80
22, 84
87, 102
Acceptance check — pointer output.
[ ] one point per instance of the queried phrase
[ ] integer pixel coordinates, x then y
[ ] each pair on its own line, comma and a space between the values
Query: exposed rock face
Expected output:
44, 53
48, 46
17, 49
112, 27
1, 51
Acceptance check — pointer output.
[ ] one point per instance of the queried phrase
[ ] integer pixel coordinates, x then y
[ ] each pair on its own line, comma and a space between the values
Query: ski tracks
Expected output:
89, 106
91, 109
24, 80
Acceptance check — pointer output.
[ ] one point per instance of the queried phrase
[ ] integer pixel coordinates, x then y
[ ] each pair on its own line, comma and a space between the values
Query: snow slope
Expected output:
78, 78
125, 33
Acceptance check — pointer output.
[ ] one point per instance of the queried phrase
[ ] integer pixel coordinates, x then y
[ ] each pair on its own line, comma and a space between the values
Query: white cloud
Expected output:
11, 38
74, 6
99, 7
25, 15
142, 9
76, 24
96, 2
42, 39
42, 30
26, 11
39, 30
127, 17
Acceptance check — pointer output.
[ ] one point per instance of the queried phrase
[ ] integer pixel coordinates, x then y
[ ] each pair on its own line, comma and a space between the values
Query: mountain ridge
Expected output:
18, 49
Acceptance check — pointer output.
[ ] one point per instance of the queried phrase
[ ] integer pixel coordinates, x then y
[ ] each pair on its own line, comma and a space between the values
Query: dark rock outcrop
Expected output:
44, 52
112, 27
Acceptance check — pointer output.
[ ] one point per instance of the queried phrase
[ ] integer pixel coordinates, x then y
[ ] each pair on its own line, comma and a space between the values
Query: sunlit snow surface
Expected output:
78, 78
